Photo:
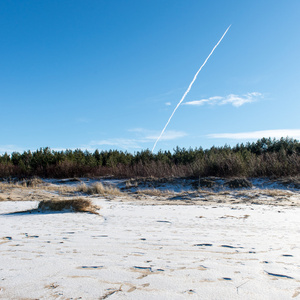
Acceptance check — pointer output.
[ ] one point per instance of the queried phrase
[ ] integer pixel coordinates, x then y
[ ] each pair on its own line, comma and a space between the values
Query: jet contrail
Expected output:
189, 88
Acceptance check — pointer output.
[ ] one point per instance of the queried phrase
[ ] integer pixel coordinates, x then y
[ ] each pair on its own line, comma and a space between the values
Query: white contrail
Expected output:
189, 88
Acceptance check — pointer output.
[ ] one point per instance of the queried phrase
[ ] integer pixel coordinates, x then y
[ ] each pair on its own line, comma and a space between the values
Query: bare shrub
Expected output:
7, 170
203, 183
239, 183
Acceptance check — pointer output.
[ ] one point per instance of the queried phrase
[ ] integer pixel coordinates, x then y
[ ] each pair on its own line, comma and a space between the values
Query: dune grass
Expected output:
99, 189
25, 183
153, 192
33, 182
276, 193
74, 205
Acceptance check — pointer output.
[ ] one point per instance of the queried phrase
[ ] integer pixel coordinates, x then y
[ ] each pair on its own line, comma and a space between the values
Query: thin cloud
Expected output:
164, 97
143, 136
119, 142
10, 149
167, 136
234, 100
137, 130
278, 133
140, 137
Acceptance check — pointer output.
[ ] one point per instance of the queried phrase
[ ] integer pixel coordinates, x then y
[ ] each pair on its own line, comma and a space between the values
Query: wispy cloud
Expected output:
118, 142
235, 100
142, 136
137, 140
167, 136
278, 133
146, 135
9, 149
164, 97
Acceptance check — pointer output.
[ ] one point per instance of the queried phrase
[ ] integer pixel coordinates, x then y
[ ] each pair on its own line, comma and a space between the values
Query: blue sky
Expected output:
108, 74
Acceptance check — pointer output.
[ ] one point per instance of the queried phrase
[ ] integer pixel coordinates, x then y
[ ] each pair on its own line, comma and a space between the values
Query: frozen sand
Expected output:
137, 251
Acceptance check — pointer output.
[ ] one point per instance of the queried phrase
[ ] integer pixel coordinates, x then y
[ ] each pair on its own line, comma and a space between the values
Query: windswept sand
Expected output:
140, 249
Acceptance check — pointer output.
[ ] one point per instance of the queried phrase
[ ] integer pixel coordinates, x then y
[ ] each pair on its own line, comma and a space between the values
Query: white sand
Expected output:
137, 251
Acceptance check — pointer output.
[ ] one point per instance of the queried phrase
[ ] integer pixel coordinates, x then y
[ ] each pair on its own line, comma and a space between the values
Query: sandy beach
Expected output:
139, 249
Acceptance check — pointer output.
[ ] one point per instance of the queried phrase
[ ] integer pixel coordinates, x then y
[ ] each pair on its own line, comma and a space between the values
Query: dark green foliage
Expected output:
266, 157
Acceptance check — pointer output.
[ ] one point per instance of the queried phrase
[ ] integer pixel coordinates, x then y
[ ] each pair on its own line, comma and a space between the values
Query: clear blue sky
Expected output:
108, 74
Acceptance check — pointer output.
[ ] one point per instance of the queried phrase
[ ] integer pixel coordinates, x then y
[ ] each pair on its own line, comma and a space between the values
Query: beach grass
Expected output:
99, 189
75, 205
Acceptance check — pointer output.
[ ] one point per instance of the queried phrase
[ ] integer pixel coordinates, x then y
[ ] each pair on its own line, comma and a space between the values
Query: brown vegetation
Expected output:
153, 192
75, 205
238, 183
33, 182
99, 189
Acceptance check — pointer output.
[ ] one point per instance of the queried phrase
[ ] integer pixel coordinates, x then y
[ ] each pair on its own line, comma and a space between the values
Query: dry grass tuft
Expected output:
276, 193
206, 192
82, 188
33, 182
4, 186
153, 192
131, 183
267, 192
75, 205
99, 189
62, 189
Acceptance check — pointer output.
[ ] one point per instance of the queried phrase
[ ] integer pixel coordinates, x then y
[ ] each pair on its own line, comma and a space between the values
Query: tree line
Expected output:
266, 157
